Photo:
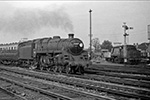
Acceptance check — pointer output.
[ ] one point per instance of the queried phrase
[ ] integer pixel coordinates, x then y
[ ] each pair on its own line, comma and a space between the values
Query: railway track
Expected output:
7, 95
44, 87
116, 80
121, 78
136, 80
121, 90
130, 69
119, 74
39, 91
104, 77
128, 75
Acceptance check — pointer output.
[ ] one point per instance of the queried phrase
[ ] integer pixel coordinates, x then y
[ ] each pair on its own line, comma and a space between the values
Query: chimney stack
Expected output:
70, 36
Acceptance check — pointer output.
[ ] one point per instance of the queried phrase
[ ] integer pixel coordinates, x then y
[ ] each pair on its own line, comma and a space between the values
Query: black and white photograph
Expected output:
74, 50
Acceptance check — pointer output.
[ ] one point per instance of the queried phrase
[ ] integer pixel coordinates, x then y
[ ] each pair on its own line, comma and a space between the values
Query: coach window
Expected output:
11, 48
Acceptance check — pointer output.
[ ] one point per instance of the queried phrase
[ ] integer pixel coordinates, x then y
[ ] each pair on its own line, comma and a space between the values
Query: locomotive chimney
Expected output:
70, 36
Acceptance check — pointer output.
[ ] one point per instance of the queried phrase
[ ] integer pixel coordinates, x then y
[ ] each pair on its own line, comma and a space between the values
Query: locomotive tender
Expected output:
133, 55
56, 54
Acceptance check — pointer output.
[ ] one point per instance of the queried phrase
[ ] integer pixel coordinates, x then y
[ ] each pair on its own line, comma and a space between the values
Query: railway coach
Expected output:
9, 53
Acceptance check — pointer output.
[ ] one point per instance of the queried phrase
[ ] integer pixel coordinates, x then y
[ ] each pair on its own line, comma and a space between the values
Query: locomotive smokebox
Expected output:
70, 36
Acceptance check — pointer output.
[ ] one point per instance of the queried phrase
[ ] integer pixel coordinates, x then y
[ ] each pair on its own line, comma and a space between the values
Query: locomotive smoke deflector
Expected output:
70, 36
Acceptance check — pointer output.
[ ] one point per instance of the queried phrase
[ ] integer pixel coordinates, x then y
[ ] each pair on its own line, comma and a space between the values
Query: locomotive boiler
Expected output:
55, 54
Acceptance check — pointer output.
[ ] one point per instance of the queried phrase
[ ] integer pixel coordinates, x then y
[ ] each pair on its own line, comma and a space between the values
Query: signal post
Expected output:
90, 11
125, 43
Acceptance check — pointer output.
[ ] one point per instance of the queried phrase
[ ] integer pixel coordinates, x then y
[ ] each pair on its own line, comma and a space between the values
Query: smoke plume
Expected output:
27, 21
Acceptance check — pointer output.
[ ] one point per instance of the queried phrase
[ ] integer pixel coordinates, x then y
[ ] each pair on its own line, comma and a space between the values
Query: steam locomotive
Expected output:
55, 54
133, 55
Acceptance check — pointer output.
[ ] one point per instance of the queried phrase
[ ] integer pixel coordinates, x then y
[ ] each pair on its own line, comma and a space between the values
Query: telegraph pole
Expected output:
125, 43
148, 31
90, 11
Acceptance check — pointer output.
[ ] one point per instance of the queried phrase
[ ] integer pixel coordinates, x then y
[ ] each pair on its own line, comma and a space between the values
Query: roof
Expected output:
9, 44
122, 46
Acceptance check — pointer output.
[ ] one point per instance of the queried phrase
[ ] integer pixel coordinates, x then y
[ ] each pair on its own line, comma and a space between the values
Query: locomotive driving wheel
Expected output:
60, 69
68, 69
41, 67
48, 69
55, 69
80, 69
32, 67
117, 60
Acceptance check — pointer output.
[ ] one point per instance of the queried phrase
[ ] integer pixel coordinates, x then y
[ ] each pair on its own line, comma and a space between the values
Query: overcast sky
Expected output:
38, 19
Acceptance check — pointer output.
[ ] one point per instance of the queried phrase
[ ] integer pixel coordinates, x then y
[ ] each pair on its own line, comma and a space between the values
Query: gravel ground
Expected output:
29, 95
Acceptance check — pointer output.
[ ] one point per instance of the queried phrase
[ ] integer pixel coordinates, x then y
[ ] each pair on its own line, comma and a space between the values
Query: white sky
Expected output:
107, 20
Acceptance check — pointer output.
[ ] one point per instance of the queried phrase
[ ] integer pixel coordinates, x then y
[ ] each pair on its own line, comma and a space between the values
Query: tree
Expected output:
96, 44
106, 45
143, 46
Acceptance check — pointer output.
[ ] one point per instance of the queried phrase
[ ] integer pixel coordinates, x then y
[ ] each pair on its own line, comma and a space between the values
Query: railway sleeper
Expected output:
125, 81
38, 90
118, 92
